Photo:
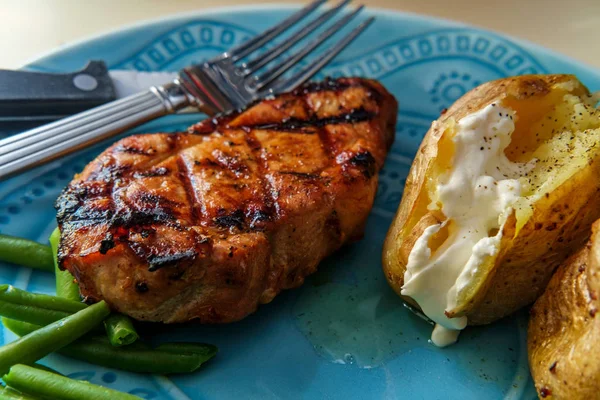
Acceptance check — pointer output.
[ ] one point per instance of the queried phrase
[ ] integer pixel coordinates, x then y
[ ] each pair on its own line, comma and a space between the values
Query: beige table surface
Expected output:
29, 28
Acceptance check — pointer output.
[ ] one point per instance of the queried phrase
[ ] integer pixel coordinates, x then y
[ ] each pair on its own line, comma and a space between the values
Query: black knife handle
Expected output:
36, 97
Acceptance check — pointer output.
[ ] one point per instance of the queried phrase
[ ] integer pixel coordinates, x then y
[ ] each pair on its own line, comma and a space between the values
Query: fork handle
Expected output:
46, 143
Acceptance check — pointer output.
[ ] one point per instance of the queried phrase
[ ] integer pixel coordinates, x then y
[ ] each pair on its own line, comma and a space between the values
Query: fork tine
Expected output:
304, 75
260, 61
274, 73
258, 41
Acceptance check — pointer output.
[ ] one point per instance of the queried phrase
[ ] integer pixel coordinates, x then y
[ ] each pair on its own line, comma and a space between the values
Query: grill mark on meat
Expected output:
151, 209
303, 175
321, 130
91, 215
234, 220
269, 214
190, 192
333, 222
268, 193
295, 125
133, 218
157, 262
73, 206
150, 199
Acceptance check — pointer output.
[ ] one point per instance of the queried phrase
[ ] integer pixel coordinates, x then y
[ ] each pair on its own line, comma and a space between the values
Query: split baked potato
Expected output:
552, 156
564, 328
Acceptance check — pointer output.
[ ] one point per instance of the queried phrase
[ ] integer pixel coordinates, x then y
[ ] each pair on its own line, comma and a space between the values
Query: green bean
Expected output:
25, 252
13, 394
31, 314
43, 341
41, 309
9, 393
98, 350
19, 328
201, 349
169, 358
65, 282
120, 330
49, 385
15, 295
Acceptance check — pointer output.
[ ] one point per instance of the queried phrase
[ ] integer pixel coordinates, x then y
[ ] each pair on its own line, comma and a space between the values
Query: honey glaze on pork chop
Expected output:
208, 224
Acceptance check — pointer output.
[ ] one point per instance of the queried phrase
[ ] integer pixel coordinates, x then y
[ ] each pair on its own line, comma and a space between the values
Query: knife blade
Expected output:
29, 98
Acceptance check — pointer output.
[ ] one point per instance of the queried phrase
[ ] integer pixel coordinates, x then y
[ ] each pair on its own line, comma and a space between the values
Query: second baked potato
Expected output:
505, 184
564, 328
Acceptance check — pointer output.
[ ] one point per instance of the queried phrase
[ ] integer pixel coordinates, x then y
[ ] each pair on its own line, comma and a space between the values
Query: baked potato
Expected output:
564, 330
504, 186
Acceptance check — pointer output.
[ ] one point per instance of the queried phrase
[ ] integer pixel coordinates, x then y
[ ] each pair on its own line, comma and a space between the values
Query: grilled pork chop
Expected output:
208, 224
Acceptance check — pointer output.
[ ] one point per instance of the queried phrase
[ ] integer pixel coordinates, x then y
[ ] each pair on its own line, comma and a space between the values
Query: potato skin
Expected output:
564, 328
560, 222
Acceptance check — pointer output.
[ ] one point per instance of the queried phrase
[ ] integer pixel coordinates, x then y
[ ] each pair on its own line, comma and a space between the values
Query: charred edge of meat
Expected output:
300, 125
84, 216
234, 220
69, 201
73, 197
160, 261
365, 162
107, 243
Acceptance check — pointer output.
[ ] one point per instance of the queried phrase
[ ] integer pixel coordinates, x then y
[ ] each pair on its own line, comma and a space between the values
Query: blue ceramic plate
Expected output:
344, 334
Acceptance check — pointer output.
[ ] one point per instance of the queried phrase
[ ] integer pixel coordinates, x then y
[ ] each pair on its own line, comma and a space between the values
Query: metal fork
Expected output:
221, 84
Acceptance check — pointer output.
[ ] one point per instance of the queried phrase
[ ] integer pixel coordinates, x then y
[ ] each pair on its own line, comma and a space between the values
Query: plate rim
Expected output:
286, 6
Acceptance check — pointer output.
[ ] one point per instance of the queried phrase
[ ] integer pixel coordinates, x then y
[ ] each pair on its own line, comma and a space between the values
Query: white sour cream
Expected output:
476, 196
